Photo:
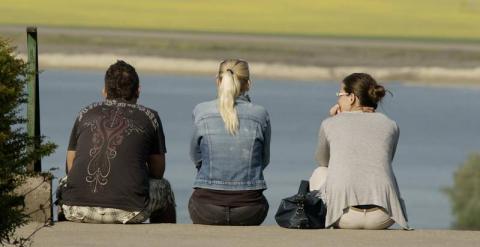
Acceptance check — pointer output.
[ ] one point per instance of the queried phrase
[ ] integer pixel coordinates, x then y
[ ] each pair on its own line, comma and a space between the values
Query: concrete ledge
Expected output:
76, 234
38, 198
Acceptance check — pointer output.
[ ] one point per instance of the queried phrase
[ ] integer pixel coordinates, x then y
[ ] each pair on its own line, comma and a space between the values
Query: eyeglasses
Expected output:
341, 94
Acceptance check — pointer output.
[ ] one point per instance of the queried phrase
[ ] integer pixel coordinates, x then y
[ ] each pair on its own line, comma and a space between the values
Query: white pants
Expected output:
354, 218
370, 219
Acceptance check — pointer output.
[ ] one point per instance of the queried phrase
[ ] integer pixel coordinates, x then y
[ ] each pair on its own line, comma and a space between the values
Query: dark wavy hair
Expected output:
368, 91
121, 81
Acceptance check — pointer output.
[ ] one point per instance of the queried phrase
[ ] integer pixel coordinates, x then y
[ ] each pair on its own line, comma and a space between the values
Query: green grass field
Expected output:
411, 19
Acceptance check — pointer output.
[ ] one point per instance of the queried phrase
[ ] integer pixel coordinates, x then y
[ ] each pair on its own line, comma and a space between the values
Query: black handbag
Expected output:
304, 210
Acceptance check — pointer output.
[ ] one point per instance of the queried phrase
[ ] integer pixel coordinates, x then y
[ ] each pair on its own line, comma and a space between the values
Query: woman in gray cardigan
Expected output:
355, 151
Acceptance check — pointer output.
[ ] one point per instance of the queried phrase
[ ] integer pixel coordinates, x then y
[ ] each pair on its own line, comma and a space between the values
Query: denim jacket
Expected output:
227, 162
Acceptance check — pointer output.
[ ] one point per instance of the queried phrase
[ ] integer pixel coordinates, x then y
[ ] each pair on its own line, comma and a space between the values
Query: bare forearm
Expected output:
70, 159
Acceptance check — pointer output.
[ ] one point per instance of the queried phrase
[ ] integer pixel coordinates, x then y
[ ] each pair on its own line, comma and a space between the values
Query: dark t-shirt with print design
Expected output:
113, 141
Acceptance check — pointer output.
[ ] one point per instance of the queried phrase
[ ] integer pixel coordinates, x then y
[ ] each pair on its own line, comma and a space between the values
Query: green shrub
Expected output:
465, 194
14, 154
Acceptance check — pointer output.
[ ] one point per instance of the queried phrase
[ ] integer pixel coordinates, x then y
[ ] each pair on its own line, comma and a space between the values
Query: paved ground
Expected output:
74, 234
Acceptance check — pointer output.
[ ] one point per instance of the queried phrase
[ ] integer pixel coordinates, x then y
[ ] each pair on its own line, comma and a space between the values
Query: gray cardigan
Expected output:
358, 149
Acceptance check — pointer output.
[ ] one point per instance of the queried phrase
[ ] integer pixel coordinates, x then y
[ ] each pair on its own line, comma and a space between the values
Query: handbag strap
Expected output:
304, 187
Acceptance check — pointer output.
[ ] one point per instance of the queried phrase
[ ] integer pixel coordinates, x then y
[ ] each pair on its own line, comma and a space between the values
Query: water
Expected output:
439, 128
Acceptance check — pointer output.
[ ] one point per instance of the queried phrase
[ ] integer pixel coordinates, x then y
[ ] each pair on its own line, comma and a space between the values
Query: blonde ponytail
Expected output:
231, 77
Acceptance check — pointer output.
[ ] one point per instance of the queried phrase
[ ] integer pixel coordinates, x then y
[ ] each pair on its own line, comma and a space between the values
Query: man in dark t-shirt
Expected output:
116, 159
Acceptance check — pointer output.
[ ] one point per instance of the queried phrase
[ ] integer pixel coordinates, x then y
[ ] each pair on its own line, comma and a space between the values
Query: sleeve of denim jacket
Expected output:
322, 154
195, 154
266, 142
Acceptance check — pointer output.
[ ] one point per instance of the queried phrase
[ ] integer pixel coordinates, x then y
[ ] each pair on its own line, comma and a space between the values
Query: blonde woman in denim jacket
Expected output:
230, 148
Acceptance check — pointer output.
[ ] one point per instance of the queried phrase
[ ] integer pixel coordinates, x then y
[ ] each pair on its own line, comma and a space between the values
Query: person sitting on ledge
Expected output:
230, 147
116, 159
355, 151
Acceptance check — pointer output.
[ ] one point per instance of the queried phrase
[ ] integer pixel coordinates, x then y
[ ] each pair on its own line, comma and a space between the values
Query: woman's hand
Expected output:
335, 110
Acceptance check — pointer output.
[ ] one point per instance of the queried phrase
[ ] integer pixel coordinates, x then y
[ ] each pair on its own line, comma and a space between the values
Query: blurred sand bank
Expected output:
429, 75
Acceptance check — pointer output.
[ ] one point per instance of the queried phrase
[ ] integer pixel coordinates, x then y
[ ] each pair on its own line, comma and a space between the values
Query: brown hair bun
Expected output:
376, 92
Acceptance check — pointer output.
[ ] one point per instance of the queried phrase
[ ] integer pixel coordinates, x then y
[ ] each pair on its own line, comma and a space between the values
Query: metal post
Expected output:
33, 106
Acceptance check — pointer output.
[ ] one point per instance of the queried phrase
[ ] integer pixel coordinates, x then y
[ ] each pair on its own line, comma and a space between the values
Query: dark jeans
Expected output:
209, 214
